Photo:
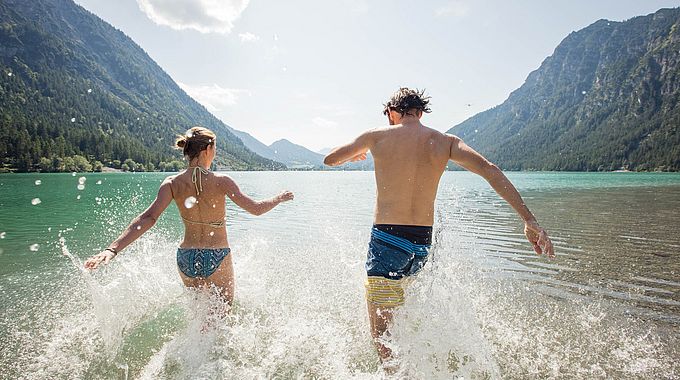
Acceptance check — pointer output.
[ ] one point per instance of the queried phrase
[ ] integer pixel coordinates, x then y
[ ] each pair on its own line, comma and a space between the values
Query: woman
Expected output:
203, 256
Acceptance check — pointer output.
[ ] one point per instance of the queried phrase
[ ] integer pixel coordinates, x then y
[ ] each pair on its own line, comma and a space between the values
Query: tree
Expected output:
130, 164
45, 164
82, 164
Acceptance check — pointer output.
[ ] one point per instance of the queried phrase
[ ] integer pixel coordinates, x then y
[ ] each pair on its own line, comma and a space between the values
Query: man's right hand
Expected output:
539, 239
103, 256
358, 157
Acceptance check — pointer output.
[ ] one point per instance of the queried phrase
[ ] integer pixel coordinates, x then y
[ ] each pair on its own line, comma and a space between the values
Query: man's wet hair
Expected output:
407, 99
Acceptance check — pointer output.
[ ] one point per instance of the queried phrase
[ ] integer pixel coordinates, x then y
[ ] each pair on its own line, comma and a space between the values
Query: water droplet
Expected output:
476, 130
190, 202
190, 134
49, 229
35, 201
9, 74
73, 120
78, 197
212, 233
2, 235
99, 182
38, 182
34, 247
81, 187
393, 273
213, 206
139, 228
82, 180
73, 174
583, 92
89, 90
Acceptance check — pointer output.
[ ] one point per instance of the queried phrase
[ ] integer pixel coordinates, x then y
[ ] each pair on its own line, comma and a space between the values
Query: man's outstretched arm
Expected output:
354, 151
469, 159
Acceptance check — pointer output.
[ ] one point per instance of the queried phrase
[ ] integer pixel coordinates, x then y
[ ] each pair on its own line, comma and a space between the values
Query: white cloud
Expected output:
205, 16
324, 123
454, 8
248, 37
213, 97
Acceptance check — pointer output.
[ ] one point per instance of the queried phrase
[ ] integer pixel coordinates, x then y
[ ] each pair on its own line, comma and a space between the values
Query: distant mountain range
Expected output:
71, 85
292, 155
607, 98
297, 156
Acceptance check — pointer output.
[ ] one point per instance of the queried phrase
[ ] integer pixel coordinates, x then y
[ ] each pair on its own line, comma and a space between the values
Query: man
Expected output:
409, 161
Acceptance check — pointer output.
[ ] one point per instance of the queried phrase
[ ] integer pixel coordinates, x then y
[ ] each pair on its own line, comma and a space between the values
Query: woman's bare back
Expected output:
202, 206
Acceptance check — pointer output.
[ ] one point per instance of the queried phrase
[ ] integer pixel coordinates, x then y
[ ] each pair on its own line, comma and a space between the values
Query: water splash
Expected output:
34, 247
38, 182
190, 202
36, 201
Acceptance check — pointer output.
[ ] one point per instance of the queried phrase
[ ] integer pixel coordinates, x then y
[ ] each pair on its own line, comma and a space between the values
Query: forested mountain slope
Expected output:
607, 98
71, 84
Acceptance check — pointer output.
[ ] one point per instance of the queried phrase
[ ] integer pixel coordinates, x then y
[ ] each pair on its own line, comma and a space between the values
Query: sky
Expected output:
317, 72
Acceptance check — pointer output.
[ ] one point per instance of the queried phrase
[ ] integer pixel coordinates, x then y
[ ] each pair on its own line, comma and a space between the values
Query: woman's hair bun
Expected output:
181, 141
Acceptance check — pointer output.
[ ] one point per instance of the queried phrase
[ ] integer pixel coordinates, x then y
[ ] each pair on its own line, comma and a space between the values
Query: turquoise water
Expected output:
607, 307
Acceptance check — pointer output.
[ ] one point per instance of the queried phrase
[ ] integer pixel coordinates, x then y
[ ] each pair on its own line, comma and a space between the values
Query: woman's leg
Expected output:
223, 280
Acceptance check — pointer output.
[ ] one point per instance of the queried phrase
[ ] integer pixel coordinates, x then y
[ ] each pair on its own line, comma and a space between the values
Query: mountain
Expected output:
608, 97
254, 144
295, 156
292, 155
72, 85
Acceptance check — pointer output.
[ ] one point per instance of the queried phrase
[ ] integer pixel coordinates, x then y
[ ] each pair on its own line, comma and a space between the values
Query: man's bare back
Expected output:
409, 161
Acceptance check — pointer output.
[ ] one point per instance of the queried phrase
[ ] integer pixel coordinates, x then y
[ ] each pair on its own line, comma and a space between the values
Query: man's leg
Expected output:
380, 318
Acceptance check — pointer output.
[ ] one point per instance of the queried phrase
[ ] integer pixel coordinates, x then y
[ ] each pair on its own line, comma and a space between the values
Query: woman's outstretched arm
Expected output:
139, 225
250, 205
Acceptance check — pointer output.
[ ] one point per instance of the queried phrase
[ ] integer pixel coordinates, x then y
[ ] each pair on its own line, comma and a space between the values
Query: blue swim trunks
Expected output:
200, 262
397, 251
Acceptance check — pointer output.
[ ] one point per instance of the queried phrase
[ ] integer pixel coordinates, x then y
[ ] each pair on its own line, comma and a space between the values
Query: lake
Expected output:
485, 306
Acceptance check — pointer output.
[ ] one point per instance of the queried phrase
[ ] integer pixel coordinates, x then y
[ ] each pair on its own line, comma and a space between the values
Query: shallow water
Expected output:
485, 306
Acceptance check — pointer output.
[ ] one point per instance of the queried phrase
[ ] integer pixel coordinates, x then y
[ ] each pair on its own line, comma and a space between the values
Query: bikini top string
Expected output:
196, 178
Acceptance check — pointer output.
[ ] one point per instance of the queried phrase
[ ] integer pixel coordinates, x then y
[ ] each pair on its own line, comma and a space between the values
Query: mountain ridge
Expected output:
607, 98
73, 85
